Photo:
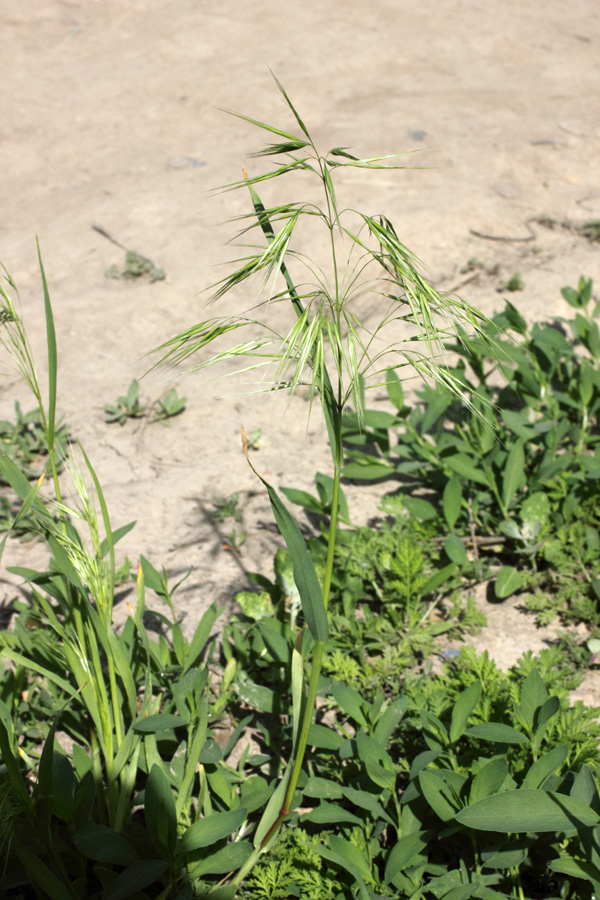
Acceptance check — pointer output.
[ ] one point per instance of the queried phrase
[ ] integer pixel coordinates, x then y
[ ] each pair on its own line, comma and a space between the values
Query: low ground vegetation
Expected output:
314, 750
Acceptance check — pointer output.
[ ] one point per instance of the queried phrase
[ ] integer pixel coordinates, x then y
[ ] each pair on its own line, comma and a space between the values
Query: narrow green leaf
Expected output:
505, 856
350, 702
322, 789
466, 467
348, 857
45, 786
123, 666
367, 801
39, 873
575, 868
547, 711
534, 695
208, 831
22, 660
404, 852
364, 471
115, 537
463, 707
201, 636
273, 808
303, 498
497, 732
305, 575
104, 844
158, 722
227, 859
584, 789
264, 126
255, 793
389, 720
52, 354
160, 810
489, 779
455, 550
421, 761
291, 106
545, 766
259, 697
379, 420
377, 761
421, 509
210, 753
330, 814
438, 795
514, 473
527, 810
452, 500
324, 738
461, 892
395, 389
28, 502
137, 877
297, 676
228, 892
9, 758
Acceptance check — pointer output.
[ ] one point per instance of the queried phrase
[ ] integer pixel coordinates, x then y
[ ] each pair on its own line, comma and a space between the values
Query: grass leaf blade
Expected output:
52, 354
305, 575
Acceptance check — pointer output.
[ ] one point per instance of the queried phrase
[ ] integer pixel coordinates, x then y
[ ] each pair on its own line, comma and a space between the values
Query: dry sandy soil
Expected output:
110, 115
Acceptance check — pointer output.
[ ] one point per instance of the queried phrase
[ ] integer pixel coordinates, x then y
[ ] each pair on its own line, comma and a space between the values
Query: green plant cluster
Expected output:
24, 442
136, 266
129, 406
393, 596
510, 470
313, 751
446, 798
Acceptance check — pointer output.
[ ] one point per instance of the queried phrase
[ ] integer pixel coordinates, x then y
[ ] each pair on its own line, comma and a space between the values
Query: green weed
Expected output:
514, 283
517, 479
129, 406
325, 324
228, 508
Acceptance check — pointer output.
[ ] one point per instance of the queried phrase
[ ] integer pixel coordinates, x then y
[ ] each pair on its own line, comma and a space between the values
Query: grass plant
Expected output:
328, 350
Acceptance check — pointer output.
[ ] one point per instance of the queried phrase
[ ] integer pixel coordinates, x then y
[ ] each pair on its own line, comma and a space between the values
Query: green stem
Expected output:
332, 407
98, 777
115, 702
315, 672
317, 660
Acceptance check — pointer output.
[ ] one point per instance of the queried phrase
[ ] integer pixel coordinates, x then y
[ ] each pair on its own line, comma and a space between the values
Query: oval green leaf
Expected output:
134, 879
402, 854
104, 844
497, 732
526, 810
508, 581
452, 500
227, 859
212, 829
158, 722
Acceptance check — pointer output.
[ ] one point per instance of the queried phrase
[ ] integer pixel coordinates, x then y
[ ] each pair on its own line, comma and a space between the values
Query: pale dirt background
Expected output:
110, 114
